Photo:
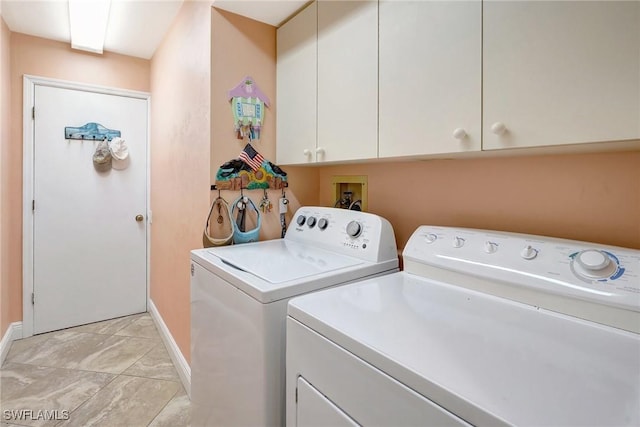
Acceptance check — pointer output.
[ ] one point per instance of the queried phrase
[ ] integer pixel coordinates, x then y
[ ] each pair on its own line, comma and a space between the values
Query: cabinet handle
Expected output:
498, 128
306, 152
459, 133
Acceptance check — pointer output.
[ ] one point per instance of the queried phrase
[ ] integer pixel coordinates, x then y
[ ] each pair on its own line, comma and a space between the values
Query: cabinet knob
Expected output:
498, 128
306, 152
320, 150
459, 133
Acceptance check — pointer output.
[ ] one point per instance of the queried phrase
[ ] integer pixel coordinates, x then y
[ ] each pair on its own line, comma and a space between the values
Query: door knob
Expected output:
139, 218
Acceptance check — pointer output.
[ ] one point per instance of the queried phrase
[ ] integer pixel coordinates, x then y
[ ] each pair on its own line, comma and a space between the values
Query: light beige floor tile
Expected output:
32, 345
155, 364
177, 413
108, 327
90, 352
143, 327
126, 401
36, 389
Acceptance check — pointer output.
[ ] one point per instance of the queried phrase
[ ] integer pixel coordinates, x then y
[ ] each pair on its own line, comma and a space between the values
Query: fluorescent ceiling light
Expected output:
88, 21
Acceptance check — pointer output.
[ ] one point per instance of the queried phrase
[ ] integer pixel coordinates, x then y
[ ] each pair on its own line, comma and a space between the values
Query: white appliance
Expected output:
239, 298
481, 328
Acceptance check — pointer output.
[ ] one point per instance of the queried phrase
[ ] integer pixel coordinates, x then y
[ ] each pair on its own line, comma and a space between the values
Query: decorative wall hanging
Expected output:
247, 104
250, 171
90, 131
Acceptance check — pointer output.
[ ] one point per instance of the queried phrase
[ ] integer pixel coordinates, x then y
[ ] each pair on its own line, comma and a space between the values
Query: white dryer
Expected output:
481, 328
239, 298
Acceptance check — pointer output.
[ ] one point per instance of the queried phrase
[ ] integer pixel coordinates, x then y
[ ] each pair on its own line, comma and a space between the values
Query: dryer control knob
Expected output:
301, 219
354, 229
529, 252
490, 247
311, 221
458, 242
593, 260
431, 237
323, 223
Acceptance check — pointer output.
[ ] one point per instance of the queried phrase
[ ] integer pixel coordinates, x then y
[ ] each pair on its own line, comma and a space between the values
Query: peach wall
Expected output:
243, 47
46, 58
180, 144
590, 197
5, 122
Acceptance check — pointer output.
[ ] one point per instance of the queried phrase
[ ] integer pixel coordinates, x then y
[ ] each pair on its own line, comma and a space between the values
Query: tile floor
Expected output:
111, 373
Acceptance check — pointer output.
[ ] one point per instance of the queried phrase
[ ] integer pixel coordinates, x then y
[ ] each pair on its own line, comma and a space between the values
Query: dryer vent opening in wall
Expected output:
350, 192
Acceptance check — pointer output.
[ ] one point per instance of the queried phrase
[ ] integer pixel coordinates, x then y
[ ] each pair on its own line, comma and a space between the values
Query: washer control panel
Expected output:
589, 271
359, 234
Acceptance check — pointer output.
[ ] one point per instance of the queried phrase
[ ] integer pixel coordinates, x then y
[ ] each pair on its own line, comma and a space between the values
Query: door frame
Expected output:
28, 144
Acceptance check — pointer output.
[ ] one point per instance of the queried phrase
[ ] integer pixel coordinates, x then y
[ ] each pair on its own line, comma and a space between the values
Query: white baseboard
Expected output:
14, 332
183, 368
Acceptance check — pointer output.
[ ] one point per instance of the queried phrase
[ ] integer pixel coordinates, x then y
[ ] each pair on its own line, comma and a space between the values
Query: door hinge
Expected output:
33, 205
33, 298
33, 112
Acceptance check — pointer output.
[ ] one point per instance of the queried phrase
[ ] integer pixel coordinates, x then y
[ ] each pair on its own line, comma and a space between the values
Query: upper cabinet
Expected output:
560, 72
297, 88
430, 77
363, 79
347, 80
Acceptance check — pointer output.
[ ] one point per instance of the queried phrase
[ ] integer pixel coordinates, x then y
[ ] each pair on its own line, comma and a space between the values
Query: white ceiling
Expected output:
136, 27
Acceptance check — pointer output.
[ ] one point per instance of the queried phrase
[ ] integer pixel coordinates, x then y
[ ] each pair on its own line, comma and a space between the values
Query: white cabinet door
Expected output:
347, 80
296, 88
560, 72
430, 77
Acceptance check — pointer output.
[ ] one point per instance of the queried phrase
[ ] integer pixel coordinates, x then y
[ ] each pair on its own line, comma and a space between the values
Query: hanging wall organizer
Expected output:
250, 171
91, 131
248, 104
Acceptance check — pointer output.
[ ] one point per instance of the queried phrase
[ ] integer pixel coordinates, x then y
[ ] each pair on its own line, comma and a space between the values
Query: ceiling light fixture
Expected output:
88, 24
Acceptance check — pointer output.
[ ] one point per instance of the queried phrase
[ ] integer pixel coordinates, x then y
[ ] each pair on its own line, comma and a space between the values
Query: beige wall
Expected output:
590, 197
5, 122
46, 58
243, 47
180, 144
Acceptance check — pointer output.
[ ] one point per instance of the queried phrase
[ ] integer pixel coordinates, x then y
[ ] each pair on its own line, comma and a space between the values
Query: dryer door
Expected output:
313, 409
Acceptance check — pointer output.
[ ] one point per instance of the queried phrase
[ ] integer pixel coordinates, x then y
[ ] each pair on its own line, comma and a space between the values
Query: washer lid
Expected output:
279, 261
486, 359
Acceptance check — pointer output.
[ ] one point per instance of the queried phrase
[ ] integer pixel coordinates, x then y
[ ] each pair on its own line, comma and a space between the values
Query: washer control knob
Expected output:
311, 221
354, 229
529, 252
458, 242
323, 223
430, 238
490, 247
301, 219
593, 260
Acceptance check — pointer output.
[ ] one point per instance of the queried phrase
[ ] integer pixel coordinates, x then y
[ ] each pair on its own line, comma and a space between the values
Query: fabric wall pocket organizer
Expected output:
247, 104
241, 208
91, 131
218, 232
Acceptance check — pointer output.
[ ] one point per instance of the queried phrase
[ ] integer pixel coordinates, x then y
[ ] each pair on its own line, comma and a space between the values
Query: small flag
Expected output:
251, 157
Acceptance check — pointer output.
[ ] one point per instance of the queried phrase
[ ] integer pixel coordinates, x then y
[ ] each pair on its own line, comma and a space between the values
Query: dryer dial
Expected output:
592, 264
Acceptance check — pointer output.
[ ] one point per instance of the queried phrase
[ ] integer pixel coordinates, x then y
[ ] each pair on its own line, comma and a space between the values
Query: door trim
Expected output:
28, 142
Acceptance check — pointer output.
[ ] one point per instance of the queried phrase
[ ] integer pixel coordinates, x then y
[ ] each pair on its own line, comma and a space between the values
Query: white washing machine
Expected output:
239, 298
481, 328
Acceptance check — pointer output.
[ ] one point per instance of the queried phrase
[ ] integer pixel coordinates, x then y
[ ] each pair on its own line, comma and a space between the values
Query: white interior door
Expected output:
89, 251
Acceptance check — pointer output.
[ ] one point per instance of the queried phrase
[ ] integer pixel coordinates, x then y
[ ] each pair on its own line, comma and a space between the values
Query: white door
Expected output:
89, 251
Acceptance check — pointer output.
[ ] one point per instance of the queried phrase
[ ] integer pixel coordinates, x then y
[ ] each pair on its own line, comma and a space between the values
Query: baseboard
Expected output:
14, 332
183, 368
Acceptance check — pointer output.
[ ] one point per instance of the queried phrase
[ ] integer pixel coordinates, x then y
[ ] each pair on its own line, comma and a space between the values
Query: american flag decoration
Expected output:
251, 157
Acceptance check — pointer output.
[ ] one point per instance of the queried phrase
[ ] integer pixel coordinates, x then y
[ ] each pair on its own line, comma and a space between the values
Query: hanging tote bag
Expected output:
221, 226
239, 235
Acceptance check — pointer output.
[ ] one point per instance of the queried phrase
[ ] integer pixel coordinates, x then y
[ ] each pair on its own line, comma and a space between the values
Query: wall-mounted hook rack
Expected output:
91, 131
